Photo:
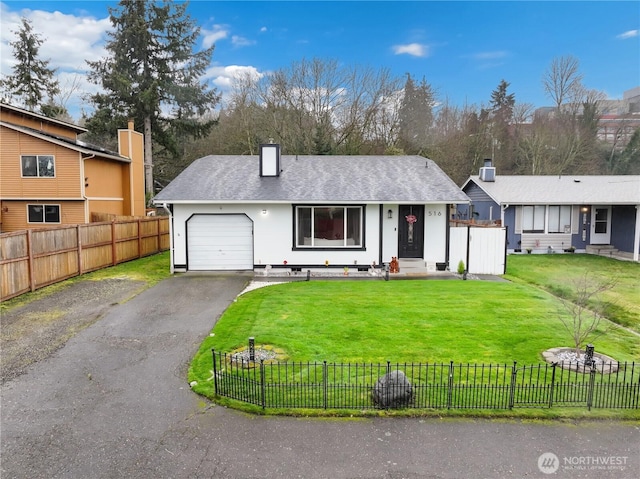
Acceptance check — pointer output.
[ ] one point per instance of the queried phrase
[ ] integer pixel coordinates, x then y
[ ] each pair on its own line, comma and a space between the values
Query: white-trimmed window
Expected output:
43, 213
533, 219
40, 166
329, 226
559, 219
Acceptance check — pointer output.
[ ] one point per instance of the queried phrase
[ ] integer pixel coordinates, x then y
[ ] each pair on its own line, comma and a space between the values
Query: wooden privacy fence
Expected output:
31, 259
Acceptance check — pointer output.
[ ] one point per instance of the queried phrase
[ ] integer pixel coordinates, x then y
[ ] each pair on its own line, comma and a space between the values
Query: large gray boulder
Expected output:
392, 390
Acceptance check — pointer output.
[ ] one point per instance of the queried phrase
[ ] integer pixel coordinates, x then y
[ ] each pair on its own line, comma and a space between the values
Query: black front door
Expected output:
411, 231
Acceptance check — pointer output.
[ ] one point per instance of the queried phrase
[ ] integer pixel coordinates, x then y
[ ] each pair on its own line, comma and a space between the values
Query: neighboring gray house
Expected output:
295, 212
558, 212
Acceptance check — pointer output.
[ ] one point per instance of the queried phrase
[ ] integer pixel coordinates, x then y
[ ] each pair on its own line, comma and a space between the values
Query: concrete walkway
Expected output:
115, 403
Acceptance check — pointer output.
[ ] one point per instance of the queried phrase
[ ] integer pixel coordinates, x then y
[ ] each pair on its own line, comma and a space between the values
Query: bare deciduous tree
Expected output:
585, 308
563, 81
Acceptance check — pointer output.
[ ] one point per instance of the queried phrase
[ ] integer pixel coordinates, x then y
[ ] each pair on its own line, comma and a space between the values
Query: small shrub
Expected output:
461, 267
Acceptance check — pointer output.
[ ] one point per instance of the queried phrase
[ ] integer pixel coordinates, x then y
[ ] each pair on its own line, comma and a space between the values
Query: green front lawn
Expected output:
556, 273
402, 321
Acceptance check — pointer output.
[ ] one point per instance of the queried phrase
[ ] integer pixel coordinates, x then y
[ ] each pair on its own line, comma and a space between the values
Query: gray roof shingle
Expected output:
311, 179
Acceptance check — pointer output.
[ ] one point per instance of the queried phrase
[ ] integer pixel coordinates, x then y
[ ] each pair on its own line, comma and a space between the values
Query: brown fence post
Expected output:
139, 238
113, 243
32, 280
79, 240
159, 244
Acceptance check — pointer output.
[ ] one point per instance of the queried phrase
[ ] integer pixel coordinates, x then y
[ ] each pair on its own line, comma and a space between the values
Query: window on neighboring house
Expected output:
533, 219
43, 166
559, 219
328, 226
43, 213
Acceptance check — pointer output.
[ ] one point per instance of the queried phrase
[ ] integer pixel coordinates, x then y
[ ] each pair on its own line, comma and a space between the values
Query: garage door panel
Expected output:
220, 242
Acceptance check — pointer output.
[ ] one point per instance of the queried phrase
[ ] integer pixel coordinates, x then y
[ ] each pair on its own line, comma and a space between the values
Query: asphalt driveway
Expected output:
114, 403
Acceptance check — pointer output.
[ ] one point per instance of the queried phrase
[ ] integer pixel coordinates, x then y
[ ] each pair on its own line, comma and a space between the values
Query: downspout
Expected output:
447, 246
636, 240
164, 207
381, 233
503, 208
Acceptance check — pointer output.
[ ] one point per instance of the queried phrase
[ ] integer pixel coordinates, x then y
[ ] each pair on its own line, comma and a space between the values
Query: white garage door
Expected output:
219, 242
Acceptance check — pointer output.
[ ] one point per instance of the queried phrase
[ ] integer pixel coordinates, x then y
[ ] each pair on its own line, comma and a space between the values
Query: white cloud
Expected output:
210, 37
223, 76
239, 41
263, 29
413, 49
628, 34
494, 55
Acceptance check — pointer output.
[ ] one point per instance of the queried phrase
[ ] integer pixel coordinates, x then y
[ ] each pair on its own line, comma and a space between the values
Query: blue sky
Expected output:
462, 49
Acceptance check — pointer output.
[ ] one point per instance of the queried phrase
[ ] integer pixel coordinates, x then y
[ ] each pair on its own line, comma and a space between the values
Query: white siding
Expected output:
435, 234
273, 235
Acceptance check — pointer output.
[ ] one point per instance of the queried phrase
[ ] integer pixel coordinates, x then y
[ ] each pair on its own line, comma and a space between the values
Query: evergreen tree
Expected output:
628, 162
31, 80
152, 75
502, 103
501, 114
415, 116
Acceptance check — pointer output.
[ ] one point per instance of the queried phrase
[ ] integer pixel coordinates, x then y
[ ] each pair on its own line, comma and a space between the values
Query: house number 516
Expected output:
434, 213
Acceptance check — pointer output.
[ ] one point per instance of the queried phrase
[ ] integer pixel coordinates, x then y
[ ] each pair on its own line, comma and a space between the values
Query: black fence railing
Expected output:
323, 385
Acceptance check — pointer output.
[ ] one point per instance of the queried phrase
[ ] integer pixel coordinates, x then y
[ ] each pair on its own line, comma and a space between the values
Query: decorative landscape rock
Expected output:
567, 358
392, 390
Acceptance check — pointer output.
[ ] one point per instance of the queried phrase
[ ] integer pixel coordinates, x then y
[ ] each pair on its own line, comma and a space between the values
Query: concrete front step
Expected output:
602, 249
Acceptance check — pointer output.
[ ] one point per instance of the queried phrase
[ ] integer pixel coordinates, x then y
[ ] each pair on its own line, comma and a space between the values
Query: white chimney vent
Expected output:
270, 160
488, 172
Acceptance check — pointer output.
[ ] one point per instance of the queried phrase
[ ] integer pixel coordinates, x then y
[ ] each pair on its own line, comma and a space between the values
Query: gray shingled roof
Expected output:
366, 179
568, 189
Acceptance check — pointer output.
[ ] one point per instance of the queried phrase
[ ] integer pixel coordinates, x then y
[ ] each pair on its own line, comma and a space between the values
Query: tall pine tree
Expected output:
501, 114
415, 116
31, 80
153, 76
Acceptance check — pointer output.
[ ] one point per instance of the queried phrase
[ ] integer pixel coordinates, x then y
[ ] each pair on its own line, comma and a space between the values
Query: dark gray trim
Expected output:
363, 235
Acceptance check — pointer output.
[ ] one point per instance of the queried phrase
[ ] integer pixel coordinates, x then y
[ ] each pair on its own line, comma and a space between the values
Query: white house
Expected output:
304, 212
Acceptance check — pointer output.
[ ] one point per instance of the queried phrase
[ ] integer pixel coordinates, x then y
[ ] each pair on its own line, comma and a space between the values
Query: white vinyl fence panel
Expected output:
487, 248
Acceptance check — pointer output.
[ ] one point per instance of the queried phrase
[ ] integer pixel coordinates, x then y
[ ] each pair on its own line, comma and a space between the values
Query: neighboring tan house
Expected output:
303, 212
48, 177
555, 213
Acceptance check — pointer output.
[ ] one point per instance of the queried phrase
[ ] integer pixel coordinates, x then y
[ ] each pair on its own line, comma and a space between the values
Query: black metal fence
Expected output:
292, 385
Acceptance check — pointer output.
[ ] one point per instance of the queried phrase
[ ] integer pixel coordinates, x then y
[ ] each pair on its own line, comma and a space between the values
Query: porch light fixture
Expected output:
584, 209
264, 212
390, 214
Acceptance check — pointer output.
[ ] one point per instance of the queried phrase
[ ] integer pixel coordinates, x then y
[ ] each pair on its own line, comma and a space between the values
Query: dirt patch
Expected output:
32, 332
